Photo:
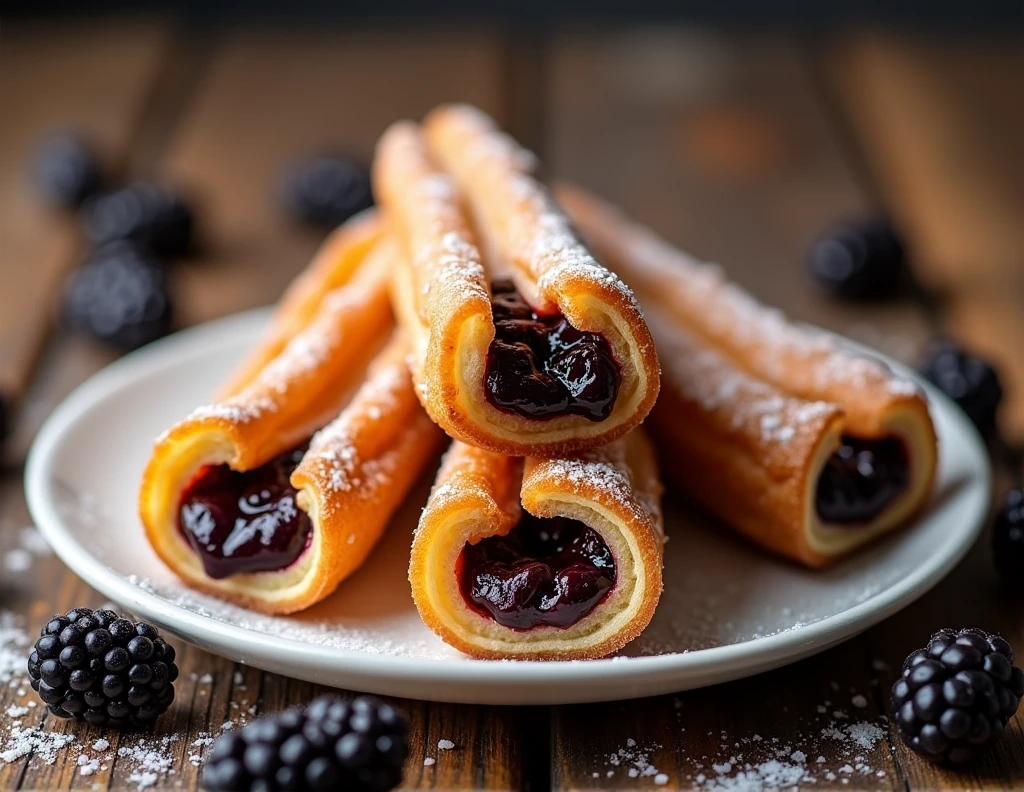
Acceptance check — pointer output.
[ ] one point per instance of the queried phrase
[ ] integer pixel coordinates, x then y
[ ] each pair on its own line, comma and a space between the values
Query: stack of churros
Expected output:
469, 302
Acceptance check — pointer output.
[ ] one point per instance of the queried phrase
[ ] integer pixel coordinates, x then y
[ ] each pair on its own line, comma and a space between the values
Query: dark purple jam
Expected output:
245, 522
861, 479
543, 367
544, 572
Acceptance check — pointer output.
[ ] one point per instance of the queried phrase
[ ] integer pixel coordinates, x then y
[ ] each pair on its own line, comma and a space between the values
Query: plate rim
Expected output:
648, 673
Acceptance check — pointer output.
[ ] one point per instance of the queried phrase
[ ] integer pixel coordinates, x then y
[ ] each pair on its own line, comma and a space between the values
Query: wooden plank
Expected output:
940, 123
720, 144
95, 77
270, 99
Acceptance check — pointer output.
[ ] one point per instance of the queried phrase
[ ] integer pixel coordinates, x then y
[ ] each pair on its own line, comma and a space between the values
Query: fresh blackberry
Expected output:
330, 744
66, 170
860, 262
954, 697
968, 380
1008, 537
119, 296
103, 669
326, 191
144, 212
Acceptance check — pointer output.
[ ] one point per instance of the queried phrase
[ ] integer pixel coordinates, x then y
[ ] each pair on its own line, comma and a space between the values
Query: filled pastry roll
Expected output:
522, 342
535, 559
802, 444
268, 497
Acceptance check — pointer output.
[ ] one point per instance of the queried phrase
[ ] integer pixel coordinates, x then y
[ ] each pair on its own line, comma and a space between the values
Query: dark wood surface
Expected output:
741, 148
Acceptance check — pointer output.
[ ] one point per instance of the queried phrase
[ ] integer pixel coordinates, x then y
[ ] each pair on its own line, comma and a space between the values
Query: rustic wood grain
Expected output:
96, 77
723, 145
940, 123
272, 98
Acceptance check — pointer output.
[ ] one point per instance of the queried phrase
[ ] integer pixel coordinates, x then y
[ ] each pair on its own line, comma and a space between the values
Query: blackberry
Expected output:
119, 296
330, 744
968, 380
66, 170
1008, 537
144, 212
103, 669
860, 262
326, 191
954, 697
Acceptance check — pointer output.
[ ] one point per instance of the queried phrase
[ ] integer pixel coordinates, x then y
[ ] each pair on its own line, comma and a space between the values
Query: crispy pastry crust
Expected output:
357, 469
615, 490
753, 406
441, 284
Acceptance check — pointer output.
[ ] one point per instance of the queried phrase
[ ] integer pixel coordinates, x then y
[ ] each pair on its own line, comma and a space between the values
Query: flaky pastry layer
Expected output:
753, 406
358, 468
615, 490
461, 182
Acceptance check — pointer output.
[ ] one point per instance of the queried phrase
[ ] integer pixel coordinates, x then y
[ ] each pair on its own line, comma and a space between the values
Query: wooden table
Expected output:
742, 148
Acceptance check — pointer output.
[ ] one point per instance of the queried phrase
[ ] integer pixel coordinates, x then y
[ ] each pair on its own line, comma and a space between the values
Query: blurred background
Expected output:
858, 164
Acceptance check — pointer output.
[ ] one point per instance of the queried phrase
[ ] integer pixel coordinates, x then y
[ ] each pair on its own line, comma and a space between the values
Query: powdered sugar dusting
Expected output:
404, 635
532, 230
334, 450
729, 316
752, 762
14, 643
606, 470
22, 741
741, 402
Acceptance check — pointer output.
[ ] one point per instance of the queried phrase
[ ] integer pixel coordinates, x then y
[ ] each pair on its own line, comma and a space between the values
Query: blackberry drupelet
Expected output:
103, 669
326, 191
331, 744
1008, 538
119, 296
954, 697
66, 170
146, 213
968, 380
860, 262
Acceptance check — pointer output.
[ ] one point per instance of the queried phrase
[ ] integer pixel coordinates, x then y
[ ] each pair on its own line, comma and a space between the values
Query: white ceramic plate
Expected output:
728, 610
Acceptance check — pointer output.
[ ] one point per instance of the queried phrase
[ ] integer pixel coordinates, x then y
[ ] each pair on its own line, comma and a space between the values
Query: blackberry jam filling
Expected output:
546, 571
245, 522
861, 479
543, 367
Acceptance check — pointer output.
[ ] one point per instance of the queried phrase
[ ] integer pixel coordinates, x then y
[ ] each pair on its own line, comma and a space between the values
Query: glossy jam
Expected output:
861, 479
245, 522
543, 367
544, 572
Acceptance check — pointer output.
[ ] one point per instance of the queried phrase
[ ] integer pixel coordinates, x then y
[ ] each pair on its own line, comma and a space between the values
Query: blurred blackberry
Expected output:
144, 212
326, 191
119, 296
954, 698
331, 744
1008, 538
4, 408
66, 170
968, 380
860, 262
105, 670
